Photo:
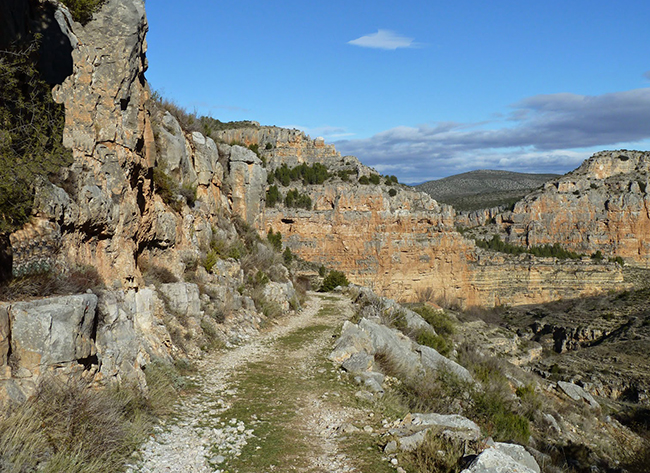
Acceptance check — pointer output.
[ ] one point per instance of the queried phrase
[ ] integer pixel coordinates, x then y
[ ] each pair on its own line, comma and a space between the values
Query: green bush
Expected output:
438, 343
333, 280
440, 321
168, 189
597, 256
287, 256
555, 250
210, 260
272, 196
268, 146
392, 192
364, 180
31, 135
496, 416
295, 199
83, 10
374, 179
275, 239
309, 174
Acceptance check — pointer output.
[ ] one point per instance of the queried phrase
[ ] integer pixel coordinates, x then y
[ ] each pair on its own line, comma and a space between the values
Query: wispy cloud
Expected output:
543, 133
384, 39
647, 75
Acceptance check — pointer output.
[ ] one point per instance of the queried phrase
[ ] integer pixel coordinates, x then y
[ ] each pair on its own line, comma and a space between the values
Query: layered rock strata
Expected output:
405, 244
601, 206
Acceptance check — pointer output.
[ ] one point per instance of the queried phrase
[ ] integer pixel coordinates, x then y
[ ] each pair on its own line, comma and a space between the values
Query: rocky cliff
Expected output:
601, 206
151, 211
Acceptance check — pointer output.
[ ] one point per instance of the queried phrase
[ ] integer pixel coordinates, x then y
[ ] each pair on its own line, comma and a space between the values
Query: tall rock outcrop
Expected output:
601, 206
141, 205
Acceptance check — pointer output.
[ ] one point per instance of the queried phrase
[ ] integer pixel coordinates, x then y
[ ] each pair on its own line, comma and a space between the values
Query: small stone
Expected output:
368, 429
391, 447
218, 459
364, 396
394, 461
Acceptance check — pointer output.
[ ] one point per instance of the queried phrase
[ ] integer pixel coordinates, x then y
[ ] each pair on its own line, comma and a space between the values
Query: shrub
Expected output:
287, 256
322, 271
31, 135
295, 199
392, 192
75, 280
156, 275
436, 454
364, 180
441, 323
438, 343
597, 256
275, 239
268, 146
83, 10
188, 192
374, 179
71, 427
555, 250
333, 280
210, 260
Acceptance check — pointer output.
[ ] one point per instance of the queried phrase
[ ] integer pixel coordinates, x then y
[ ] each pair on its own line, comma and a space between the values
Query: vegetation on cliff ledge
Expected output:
83, 10
31, 134
544, 251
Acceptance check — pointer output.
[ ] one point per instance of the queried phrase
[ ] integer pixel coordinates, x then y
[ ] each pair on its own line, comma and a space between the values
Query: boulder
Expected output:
432, 361
279, 293
247, 181
53, 331
577, 393
504, 458
412, 431
396, 346
352, 340
130, 335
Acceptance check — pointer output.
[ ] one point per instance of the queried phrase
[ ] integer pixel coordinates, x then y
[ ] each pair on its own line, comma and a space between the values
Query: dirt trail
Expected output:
274, 404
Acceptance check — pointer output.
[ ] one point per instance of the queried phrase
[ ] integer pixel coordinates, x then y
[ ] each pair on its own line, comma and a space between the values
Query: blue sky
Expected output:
419, 89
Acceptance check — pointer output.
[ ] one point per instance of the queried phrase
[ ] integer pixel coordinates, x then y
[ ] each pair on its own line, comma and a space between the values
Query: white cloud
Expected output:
383, 39
543, 133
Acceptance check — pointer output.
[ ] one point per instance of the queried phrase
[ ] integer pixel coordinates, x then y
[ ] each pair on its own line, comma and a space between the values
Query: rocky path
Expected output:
274, 404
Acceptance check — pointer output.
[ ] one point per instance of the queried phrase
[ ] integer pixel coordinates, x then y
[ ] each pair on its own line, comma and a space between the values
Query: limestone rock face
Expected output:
52, 331
603, 205
130, 334
247, 179
284, 146
407, 243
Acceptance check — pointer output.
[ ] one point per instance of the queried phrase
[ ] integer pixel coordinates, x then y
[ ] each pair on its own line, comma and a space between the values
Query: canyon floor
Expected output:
273, 404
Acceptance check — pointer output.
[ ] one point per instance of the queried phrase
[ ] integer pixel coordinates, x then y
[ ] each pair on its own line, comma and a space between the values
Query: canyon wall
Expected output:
601, 206
406, 245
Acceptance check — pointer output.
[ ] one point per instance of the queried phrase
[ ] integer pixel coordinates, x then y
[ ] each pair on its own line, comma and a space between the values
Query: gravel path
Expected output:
205, 437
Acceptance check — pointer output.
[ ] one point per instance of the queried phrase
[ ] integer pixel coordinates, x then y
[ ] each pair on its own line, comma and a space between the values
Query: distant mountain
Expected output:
484, 188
